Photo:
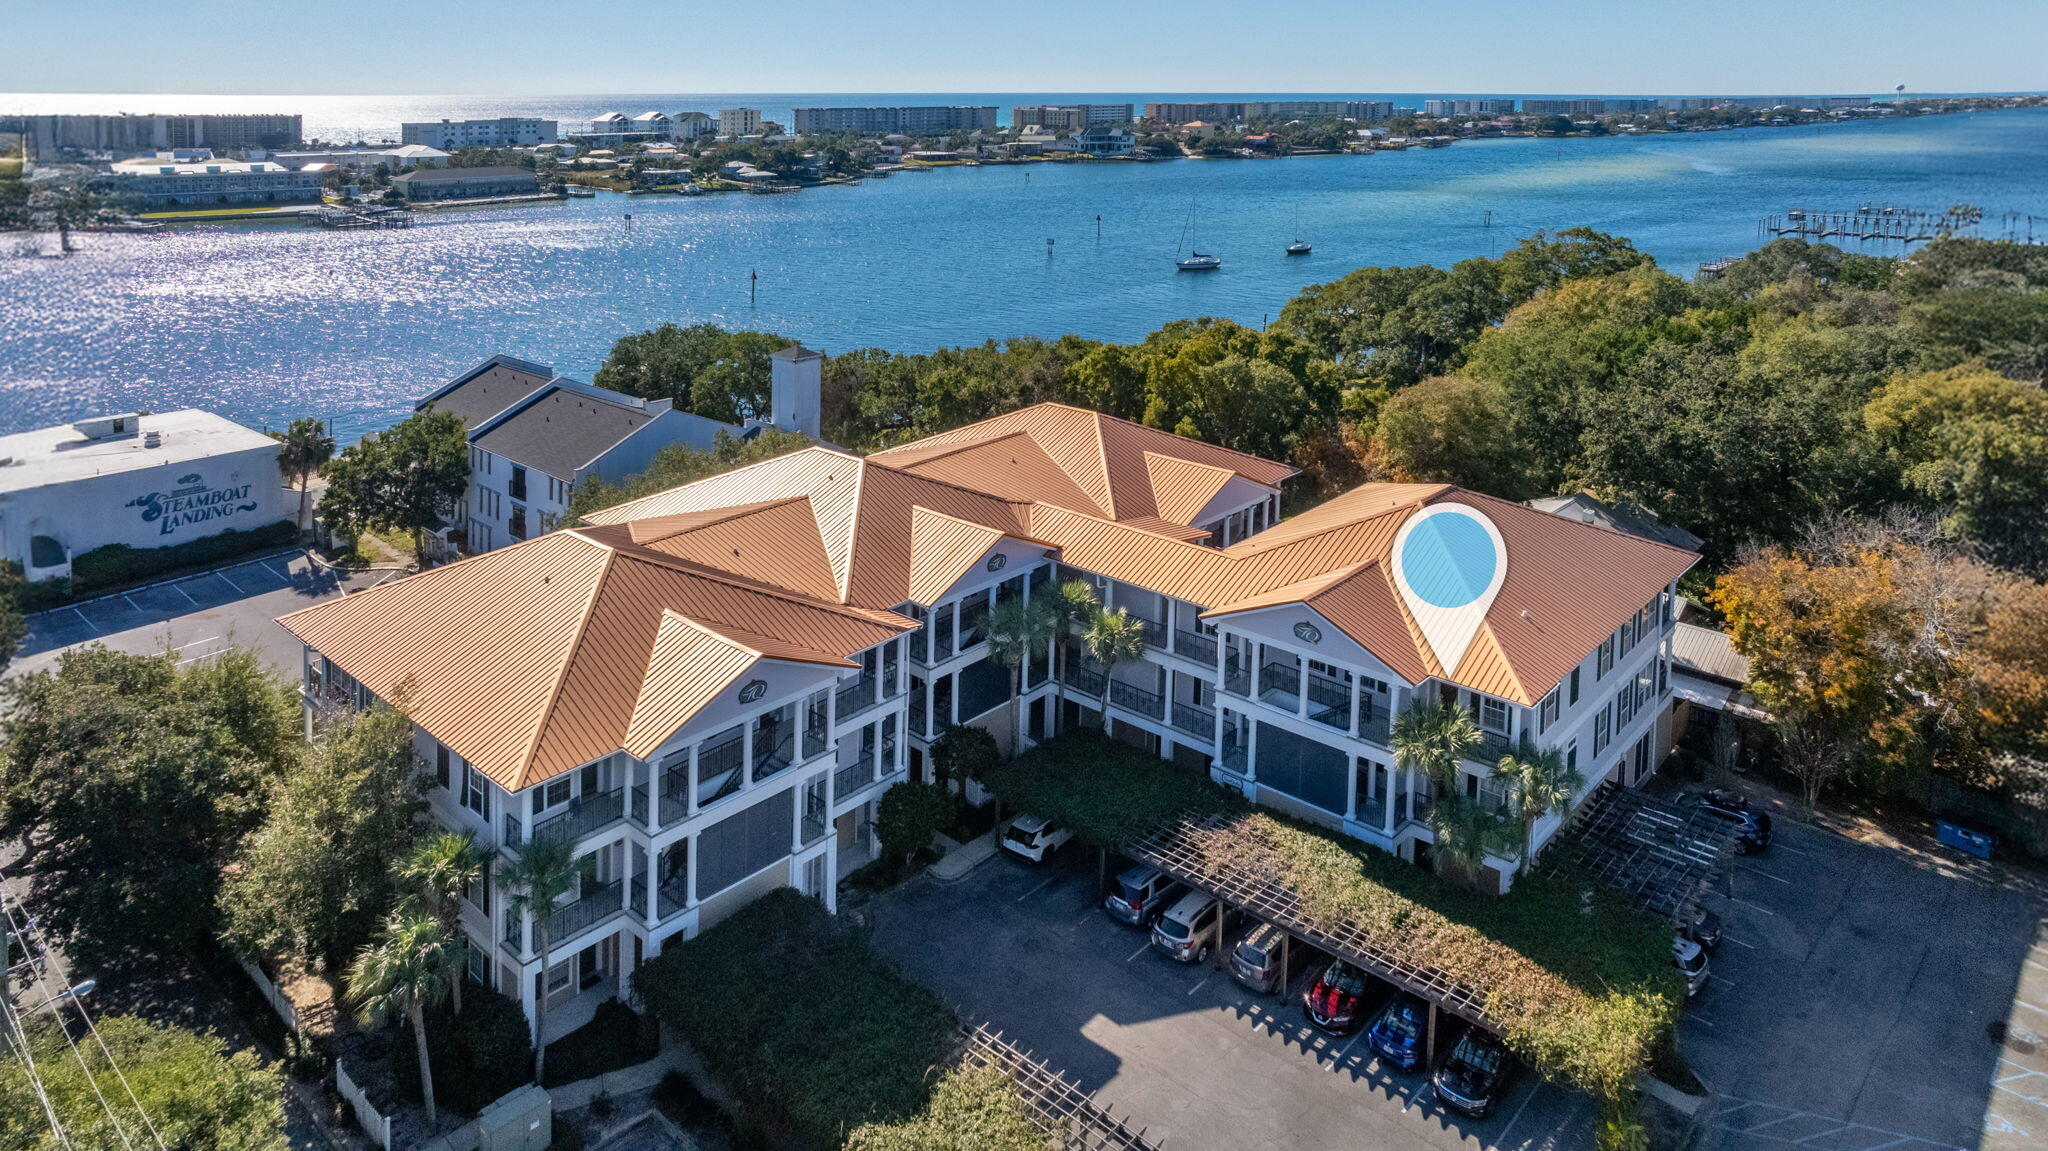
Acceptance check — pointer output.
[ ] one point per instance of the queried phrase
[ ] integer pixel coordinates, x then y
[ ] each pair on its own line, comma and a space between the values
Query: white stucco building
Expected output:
145, 481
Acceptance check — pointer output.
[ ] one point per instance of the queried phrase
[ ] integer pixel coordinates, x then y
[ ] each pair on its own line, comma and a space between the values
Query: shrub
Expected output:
478, 1056
616, 1036
1579, 979
963, 753
808, 1025
973, 1109
909, 815
116, 565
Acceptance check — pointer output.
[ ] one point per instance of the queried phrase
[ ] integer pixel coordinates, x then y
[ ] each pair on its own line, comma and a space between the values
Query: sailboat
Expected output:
1299, 247
1196, 261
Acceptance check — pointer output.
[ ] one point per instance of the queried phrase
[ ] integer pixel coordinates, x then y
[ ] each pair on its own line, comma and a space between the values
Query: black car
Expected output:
1475, 1076
1704, 928
1752, 824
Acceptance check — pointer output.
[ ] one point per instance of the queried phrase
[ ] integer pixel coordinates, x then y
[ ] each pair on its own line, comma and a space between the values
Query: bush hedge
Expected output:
1579, 979
477, 1056
972, 1109
800, 1019
616, 1036
116, 565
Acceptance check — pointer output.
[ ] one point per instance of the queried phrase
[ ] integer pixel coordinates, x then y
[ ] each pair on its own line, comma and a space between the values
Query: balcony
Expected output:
589, 814
1492, 745
856, 697
852, 778
597, 904
1233, 757
816, 820
1086, 680
720, 771
1131, 697
1237, 677
771, 757
1280, 685
1195, 719
1156, 632
672, 895
1195, 646
918, 714
1329, 702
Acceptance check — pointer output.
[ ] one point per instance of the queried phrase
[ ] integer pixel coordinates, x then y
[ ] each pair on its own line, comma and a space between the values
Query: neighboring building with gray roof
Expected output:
1629, 518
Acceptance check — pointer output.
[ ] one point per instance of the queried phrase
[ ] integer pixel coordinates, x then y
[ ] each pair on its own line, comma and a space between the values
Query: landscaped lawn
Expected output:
243, 210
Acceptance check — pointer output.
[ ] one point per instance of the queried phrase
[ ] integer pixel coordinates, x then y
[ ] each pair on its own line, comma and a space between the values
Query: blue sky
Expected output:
517, 47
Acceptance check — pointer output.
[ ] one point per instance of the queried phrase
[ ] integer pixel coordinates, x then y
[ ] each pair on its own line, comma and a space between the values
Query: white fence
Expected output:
373, 1122
273, 996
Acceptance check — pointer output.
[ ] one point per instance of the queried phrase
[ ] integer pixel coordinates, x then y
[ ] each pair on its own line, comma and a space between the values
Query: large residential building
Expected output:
1188, 113
1104, 140
1069, 117
467, 183
706, 690
503, 132
736, 122
1369, 109
405, 156
1482, 107
144, 481
167, 181
129, 135
1296, 109
1573, 107
911, 120
534, 436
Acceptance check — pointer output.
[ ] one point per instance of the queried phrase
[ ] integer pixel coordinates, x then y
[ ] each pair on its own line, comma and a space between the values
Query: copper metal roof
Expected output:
533, 659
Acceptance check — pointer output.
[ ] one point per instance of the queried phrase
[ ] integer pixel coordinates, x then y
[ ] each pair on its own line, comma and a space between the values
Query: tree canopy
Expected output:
408, 478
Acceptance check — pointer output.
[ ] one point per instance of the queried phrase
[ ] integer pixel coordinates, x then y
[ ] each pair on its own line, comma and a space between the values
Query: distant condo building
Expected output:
1467, 107
1369, 109
1069, 117
1189, 113
125, 134
504, 132
739, 121
1564, 107
910, 119
166, 180
1295, 109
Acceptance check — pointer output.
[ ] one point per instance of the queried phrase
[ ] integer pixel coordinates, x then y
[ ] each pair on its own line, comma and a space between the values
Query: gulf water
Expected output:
266, 322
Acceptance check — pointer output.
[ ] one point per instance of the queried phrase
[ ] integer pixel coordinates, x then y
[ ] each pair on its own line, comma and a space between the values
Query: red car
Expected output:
1336, 998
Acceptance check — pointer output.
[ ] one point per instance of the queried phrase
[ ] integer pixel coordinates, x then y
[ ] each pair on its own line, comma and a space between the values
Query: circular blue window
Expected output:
1449, 559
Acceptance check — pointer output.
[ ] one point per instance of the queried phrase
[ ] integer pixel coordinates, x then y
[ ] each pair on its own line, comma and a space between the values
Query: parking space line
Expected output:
1142, 949
84, 620
130, 602
1202, 984
186, 594
1753, 906
1766, 875
273, 571
200, 656
2031, 1007
1738, 943
1502, 1140
224, 579
1818, 1134
1344, 1052
1699, 1019
195, 643
1041, 887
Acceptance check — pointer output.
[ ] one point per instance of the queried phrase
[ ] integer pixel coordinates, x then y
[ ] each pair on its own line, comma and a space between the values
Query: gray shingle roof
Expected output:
563, 430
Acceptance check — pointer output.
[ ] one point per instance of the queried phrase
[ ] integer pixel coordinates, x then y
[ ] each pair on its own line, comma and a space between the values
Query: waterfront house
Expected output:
706, 690
1104, 140
466, 183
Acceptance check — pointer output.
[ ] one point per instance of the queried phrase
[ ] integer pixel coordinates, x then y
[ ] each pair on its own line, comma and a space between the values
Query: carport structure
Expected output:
1197, 852
1662, 854
1055, 1104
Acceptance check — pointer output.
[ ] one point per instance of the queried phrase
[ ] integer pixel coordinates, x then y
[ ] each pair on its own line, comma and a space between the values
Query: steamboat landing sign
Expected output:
192, 503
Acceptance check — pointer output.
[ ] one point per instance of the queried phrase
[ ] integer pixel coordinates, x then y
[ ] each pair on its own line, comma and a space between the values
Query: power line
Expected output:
19, 1039
42, 985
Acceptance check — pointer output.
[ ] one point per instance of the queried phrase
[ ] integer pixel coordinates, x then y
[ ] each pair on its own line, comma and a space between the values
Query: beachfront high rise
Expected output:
911, 120
503, 132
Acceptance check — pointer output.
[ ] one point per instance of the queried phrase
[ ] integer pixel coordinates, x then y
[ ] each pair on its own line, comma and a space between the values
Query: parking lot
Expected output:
1184, 1051
1874, 995
197, 616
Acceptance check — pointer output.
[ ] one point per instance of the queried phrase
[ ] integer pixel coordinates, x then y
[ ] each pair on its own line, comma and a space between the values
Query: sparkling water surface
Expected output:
266, 321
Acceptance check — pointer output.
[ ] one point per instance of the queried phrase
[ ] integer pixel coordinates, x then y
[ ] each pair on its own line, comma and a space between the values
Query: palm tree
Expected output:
1073, 602
1018, 629
1542, 783
440, 868
544, 871
303, 447
402, 974
1433, 738
1112, 637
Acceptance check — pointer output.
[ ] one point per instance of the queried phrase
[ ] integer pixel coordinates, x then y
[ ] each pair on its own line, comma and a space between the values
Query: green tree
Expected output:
1019, 629
13, 627
963, 752
408, 479
679, 464
1540, 783
193, 1091
438, 870
407, 970
313, 881
1071, 604
303, 448
1974, 444
543, 871
908, 815
1447, 429
129, 782
1435, 738
1111, 638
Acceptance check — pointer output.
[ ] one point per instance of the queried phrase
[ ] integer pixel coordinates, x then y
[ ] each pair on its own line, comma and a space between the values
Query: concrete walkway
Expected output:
962, 858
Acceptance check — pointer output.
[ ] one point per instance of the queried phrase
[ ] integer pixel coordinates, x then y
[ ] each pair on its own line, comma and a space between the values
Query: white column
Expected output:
1351, 788
690, 797
1357, 685
690, 873
1389, 822
653, 801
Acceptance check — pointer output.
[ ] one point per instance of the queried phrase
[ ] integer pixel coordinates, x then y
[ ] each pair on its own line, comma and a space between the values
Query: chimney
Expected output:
796, 379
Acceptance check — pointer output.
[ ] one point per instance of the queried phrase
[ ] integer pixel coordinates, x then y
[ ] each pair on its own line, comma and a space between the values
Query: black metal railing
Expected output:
1131, 697
587, 814
856, 697
770, 758
597, 904
1329, 702
852, 777
1237, 677
721, 771
1195, 719
1086, 680
1280, 679
1195, 646
1156, 633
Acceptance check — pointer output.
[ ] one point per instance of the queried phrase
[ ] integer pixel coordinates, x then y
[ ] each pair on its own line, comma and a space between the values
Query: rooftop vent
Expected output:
107, 427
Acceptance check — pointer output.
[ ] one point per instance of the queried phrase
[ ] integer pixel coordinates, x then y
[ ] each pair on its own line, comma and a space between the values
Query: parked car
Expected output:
1257, 958
1704, 928
1475, 1075
1187, 932
1335, 999
1752, 823
1140, 894
1691, 959
1396, 1032
1034, 838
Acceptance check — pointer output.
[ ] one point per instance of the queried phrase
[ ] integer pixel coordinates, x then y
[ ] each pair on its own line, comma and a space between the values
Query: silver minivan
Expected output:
1138, 895
1188, 931
1256, 960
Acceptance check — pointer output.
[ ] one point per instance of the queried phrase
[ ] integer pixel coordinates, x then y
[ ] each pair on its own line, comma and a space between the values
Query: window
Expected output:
476, 792
1624, 705
1663, 677
1547, 713
441, 764
1575, 688
516, 527
1603, 730
517, 487
1571, 756
1493, 715
1604, 660
553, 793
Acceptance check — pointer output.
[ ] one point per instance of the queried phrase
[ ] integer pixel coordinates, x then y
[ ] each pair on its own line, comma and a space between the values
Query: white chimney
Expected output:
796, 380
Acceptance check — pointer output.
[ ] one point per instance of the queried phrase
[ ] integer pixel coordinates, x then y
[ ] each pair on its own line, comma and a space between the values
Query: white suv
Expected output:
1188, 929
1034, 838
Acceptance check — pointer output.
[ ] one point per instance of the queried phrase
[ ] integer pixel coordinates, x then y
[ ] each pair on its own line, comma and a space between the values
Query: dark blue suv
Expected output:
1396, 1032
